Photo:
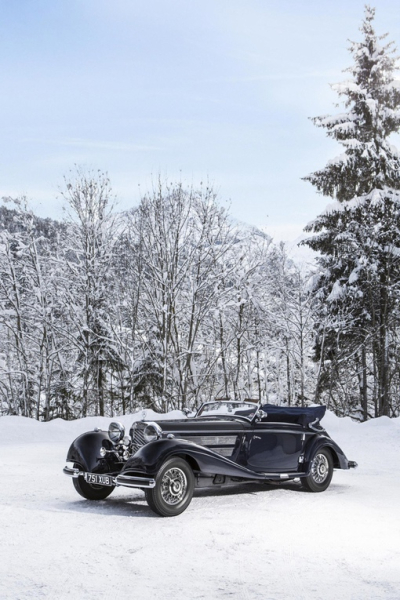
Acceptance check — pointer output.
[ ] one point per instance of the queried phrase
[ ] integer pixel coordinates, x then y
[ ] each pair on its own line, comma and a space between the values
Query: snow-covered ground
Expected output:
269, 543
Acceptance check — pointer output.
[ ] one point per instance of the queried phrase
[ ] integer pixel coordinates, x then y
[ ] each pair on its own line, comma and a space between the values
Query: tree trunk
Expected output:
364, 382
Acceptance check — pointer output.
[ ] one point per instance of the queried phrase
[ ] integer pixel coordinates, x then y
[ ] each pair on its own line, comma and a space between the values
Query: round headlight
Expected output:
152, 432
116, 432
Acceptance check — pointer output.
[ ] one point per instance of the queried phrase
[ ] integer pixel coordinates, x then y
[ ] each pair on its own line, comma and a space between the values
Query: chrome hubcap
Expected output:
173, 486
320, 468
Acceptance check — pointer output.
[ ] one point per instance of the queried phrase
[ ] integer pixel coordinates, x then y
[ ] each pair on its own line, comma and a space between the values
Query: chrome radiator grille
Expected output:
138, 438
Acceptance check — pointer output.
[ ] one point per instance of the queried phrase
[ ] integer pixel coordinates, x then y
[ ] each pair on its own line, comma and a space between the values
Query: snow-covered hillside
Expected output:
254, 542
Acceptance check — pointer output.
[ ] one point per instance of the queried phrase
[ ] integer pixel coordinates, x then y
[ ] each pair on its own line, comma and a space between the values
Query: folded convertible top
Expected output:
295, 414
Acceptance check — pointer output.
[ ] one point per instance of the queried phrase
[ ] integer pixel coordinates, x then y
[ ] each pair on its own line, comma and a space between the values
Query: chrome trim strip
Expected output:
213, 431
283, 476
135, 482
212, 440
223, 432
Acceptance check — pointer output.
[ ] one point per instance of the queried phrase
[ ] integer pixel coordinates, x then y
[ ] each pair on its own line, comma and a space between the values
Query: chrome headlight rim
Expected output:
152, 432
116, 432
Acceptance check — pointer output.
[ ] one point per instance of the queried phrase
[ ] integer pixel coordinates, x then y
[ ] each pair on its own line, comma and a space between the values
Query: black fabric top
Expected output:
295, 414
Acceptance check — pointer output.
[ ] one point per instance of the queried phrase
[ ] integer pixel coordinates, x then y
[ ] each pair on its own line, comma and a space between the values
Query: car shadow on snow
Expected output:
124, 506
247, 488
134, 505
256, 488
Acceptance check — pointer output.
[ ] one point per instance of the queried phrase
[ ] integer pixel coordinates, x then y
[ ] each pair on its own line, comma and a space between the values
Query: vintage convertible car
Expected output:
226, 442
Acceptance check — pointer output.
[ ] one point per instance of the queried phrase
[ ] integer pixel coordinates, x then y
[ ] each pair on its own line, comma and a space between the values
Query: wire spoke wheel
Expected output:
174, 487
320, 473
320, 468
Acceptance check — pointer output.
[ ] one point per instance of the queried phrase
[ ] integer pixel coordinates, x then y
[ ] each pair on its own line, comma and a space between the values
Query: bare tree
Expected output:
88, 280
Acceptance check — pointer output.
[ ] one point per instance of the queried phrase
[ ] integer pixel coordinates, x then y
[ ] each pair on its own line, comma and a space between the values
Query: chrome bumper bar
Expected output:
135, 482
72, 472
119, 480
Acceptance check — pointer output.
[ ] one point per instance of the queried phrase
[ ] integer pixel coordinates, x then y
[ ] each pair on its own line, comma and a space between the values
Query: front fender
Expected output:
317, 442
85, 451
149, 458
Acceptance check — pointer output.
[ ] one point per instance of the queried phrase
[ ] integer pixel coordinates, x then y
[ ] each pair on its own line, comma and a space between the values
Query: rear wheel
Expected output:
90, 491
321, 472
174, 487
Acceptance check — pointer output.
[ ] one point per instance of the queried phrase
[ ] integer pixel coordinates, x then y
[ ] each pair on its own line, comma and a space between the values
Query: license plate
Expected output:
98, 479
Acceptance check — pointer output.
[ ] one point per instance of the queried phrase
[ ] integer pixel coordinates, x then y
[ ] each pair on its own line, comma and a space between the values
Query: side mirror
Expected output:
186, 411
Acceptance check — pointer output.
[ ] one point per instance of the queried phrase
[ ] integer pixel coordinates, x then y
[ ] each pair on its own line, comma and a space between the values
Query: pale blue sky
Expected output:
217, 89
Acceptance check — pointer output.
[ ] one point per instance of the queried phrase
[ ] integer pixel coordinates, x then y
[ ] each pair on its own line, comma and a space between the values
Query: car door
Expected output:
274, 447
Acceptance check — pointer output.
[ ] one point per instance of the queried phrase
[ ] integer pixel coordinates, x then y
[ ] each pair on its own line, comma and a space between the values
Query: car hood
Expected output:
209, 424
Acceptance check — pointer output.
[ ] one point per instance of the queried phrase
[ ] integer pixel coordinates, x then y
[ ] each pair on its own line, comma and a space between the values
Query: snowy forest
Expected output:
173, 303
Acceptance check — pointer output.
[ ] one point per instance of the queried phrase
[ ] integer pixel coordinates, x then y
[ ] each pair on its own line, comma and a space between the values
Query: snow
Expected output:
341, 159
354, 276
336, 293
344, 87
269, 543
375, 197
351, 144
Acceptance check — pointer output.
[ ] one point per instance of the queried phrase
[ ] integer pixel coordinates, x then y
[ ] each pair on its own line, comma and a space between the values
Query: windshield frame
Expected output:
250, 419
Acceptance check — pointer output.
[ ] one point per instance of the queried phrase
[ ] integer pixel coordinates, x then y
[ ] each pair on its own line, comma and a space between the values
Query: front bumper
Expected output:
120, 480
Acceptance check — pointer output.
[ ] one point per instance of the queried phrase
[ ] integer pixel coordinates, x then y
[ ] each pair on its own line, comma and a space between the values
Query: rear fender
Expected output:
85, 451
149, 458
320, 441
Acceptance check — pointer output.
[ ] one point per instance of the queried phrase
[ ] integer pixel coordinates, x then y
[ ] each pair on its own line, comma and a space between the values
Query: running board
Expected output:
282, 476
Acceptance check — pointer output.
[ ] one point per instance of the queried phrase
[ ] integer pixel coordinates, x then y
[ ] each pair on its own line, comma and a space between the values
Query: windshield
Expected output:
226, 407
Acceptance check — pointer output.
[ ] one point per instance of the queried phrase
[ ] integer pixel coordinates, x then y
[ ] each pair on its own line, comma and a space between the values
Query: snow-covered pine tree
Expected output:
358, 236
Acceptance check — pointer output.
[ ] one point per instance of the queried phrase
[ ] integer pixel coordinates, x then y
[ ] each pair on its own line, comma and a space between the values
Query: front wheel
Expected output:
174, 487
90, 491
321, 472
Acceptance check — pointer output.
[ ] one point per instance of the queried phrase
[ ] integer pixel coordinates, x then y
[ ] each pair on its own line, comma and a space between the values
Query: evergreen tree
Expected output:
358, 236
